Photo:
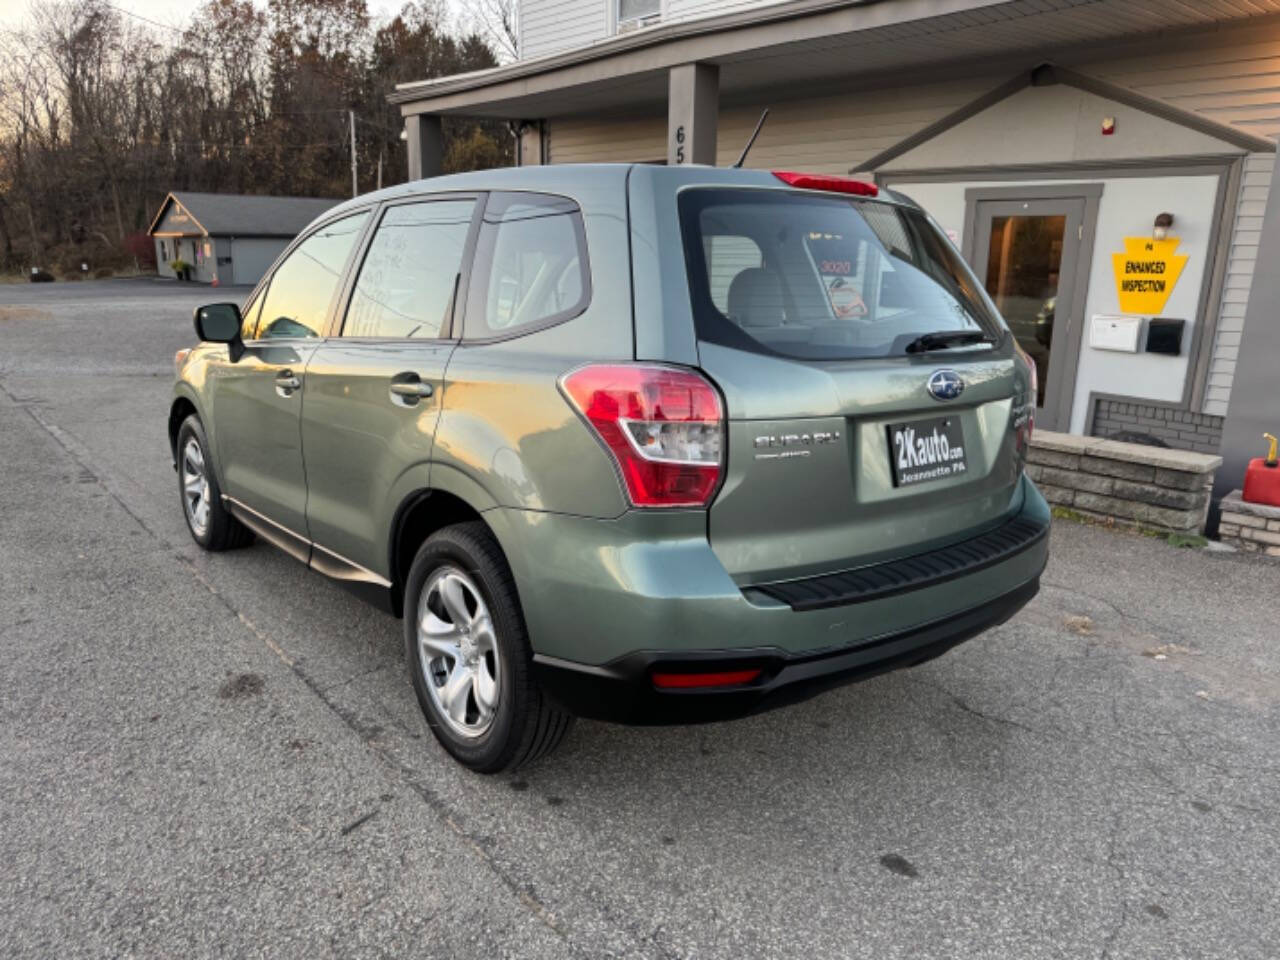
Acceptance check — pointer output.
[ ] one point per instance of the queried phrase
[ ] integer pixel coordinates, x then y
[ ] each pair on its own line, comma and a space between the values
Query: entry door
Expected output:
1027, 253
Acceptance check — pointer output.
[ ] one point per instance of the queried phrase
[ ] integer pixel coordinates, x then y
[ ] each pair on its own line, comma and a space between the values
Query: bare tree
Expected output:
498, 22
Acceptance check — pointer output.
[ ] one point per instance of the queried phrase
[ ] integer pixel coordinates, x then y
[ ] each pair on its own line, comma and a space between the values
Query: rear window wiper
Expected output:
943, 339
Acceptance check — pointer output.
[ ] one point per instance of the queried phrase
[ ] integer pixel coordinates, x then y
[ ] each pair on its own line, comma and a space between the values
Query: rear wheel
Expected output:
209, 522
469, 656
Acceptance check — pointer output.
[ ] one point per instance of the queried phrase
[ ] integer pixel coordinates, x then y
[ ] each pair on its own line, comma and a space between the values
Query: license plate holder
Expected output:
931, 448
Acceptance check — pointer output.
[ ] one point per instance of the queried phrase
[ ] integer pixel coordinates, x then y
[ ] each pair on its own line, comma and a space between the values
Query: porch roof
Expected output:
804, 43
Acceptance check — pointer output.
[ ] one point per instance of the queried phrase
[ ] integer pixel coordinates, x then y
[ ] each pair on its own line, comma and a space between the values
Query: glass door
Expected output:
1027, 253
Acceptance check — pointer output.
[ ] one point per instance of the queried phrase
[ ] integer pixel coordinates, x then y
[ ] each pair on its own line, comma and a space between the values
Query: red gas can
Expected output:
1262, 478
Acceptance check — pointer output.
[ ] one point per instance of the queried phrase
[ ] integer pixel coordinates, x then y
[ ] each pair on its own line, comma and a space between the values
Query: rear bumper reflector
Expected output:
688, 681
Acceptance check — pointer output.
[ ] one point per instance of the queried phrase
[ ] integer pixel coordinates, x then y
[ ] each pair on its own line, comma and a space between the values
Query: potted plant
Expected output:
181, 268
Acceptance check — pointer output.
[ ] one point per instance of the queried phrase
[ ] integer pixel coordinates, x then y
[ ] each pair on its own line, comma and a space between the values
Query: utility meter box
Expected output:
1115, 333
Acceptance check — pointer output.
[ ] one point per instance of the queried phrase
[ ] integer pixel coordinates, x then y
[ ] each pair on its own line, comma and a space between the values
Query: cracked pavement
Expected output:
221, 755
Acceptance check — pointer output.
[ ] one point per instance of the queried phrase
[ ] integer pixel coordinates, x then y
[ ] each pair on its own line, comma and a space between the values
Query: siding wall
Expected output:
1242, 259
549, 26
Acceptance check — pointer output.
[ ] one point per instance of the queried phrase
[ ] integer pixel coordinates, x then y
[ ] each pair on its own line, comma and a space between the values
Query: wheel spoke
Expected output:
201, 513
453, 593
193, 484
456, 688
486, 687
437, 638
482, 632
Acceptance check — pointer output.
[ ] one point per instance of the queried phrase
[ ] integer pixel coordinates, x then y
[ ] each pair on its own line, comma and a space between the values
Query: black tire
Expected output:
222, 531
525, 724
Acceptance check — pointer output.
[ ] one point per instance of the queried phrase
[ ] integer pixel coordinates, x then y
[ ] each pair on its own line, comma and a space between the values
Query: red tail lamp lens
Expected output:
664, 427
824, 181
690, 681
1033, 390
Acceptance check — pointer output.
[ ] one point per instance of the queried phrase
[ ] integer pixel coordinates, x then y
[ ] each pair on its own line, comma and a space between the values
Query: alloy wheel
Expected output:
458, 652
195, 487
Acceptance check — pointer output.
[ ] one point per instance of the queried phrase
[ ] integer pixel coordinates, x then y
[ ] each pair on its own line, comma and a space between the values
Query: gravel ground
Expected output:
221, 755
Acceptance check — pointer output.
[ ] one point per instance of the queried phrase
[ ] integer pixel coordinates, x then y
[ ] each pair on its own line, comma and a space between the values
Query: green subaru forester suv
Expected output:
644, 444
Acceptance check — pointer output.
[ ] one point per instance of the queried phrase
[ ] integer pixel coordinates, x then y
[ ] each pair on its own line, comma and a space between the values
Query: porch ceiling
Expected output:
808, 42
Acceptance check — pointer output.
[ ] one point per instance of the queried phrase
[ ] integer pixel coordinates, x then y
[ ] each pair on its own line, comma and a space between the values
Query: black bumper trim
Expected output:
909, 573
622, 691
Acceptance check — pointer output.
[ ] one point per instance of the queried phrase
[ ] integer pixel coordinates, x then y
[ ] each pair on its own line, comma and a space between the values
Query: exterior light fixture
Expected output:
1108, 126
1163, 222
404, 134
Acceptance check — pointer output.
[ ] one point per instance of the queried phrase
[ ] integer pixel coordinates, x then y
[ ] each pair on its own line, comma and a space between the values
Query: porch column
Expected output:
693, 103
426, 145
1254, 406
532, 144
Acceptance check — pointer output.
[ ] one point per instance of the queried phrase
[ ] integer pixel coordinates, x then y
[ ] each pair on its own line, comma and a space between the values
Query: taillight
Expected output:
825, 181
1026, 428
664, 427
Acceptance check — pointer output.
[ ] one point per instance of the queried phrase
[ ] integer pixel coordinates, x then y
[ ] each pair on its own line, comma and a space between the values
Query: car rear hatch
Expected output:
876, 406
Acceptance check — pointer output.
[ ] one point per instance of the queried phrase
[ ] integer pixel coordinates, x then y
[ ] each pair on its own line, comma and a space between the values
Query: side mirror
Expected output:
220, 323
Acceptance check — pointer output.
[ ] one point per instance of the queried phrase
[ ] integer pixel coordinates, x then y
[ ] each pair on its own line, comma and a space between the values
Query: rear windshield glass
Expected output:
825, 278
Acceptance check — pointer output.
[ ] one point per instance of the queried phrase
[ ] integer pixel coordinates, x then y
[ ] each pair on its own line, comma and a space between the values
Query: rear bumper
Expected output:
606, 600
622, 690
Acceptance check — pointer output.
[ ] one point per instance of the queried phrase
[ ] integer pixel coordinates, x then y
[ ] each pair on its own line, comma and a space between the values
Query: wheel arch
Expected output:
419, 515
181, 408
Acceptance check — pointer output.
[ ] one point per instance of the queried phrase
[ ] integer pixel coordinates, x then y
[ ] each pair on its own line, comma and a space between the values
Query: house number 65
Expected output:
680, 144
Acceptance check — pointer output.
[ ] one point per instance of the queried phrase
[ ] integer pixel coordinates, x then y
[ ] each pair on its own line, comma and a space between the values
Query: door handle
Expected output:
409, 392
286, 383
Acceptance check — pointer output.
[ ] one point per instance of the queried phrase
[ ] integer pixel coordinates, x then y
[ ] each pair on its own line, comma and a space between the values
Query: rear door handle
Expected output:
407, 389
286, 383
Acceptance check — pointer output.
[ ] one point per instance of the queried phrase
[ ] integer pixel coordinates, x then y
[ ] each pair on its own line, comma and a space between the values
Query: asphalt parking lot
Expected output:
221, 755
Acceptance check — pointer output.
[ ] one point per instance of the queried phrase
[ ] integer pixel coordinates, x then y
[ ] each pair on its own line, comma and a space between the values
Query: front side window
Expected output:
409, 276
531, 265
823, 277
297, 300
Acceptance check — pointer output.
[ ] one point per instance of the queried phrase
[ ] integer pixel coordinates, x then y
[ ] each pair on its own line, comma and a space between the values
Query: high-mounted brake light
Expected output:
825, 181
693, 681
664, 427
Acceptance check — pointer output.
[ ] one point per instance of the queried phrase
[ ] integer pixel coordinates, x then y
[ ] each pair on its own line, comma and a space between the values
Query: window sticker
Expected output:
846, 299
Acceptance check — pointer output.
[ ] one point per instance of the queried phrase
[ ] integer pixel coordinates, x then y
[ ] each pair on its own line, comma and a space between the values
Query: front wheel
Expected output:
208, 520
469, 656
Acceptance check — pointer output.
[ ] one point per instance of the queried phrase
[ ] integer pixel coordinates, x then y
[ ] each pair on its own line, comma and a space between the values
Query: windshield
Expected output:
825, 278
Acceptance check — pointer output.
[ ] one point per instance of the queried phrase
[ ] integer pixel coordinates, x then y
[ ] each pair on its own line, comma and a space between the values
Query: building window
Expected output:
638, 13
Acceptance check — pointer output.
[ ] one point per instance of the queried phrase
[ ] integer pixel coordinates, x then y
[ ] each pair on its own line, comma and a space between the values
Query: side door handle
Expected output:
407, 389
286, 383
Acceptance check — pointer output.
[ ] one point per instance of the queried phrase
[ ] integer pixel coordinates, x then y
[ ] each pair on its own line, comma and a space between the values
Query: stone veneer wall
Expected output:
1126, 483
1178, 429
1254, 527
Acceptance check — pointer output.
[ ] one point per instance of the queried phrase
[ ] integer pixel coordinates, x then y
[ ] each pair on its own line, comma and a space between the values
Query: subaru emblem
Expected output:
946, 385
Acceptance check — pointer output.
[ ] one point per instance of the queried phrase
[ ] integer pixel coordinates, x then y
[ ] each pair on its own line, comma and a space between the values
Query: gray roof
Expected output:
223, 214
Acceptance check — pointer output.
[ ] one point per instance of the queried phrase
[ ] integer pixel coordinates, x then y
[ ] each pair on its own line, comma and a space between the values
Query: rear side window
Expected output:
409, 277
301, 289
530, 266
827, 278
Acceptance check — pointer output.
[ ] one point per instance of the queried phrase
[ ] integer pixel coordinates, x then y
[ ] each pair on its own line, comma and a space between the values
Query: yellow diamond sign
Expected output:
1146, 273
